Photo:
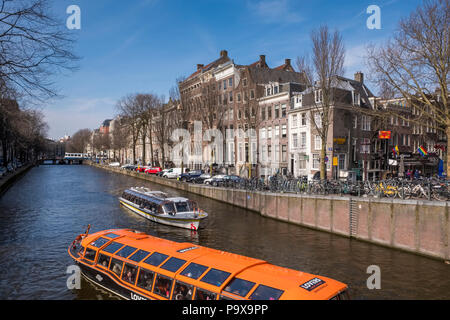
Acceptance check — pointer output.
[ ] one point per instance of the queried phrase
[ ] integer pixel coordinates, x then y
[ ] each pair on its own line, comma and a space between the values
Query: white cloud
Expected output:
274, 11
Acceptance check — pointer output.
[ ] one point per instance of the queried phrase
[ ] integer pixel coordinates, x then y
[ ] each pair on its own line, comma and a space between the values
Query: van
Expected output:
173, 173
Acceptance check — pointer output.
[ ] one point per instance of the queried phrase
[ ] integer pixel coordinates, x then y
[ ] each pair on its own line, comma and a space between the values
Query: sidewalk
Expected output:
10, 178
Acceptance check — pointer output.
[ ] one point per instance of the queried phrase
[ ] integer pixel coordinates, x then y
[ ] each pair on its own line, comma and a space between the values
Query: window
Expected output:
129, 273
125, 252
156, 259
113, 247
116, 266
103, 260
294, 121
269, 152
145, 279
252, 94
269, 132
355, 122
224, 84
303, 119
111, 235
303, 140
341, 162
239, 286
365, 123
275, 90
318, 120
269, 112
295, 140
230, 96
318, 96
173, 264
266, 293
302, 164
283, 111
268, 92
215, 277
238, 97
163, 286
182, 291
365, 146
244, 82
194, 270
90, 254
283, 131
317, 142
277, 153
263, 113
277, 131
316, 161
284, 153
230, 82
277, 112
99, 242
201, 294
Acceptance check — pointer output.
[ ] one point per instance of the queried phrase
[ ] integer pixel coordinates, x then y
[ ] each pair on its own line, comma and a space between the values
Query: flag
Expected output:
422, 151
395, 151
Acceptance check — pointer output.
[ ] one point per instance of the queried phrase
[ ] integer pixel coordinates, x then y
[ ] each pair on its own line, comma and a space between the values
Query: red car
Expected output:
141, 168
152, 170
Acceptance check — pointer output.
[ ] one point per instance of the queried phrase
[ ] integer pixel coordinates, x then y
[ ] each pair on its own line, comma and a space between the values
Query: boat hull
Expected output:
191, 224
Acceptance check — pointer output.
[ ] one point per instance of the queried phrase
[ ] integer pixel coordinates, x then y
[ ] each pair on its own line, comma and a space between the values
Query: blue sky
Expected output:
144, 45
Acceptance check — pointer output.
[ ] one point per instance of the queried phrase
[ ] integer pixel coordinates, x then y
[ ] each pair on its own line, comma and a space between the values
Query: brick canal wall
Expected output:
7, 181
421, 227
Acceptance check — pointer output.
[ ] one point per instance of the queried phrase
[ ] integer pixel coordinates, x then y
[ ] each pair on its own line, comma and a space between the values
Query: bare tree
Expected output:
79, 141
414, 64
130, 116
35, 45
320, 71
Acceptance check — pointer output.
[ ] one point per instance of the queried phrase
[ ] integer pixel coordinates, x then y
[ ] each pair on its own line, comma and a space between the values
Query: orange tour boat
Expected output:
134, 265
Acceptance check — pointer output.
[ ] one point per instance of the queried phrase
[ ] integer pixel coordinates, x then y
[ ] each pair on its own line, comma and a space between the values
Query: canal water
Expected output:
45, 210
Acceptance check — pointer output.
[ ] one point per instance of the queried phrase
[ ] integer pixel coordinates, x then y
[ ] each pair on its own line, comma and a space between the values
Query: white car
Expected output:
114, 164
208, 181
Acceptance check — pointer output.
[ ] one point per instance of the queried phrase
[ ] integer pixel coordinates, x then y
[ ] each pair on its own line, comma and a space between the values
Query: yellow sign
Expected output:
339, 140
335, 161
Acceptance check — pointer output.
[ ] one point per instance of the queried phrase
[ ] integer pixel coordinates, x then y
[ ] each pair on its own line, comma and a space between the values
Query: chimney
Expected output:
199, 66
262, 60
224, 53
287, 62
359, 76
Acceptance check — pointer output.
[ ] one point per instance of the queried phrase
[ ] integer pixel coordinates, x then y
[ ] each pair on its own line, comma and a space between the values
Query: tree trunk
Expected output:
447, 153
323, 164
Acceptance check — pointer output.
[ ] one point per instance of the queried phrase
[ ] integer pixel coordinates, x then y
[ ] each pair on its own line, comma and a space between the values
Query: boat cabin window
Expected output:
173, 264
112, 247
81, 250
182, 291
222, 297
129, 273
125, 252
215, 277
194, 270
266, 293
103, 260
90, 254
202, 294
139, 255
145, 279
111, 235
169, 208
156, 259
116, 266
192, 205
182, 206
239, 287
163, 286
99, 242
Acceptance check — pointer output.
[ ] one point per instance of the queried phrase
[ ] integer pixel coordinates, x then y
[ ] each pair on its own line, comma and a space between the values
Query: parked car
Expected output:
161, 173
10, 167
114, 164
231, 180
126, 166
172, 173
153, 170
141, 168
3, 171
214, 180
200, 179
190, 176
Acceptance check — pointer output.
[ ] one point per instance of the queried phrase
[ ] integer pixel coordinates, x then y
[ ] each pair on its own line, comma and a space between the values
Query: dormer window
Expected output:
275, 90
268, 91
318, 96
